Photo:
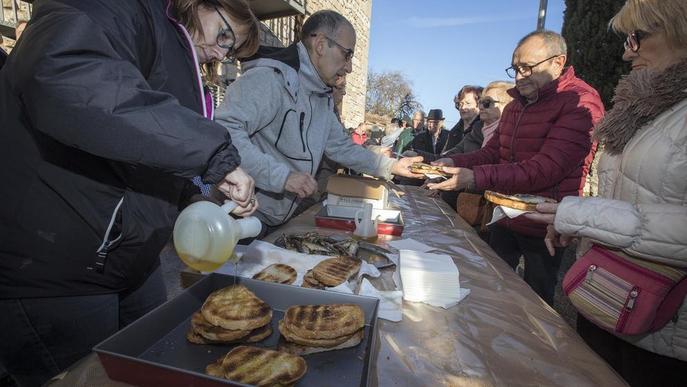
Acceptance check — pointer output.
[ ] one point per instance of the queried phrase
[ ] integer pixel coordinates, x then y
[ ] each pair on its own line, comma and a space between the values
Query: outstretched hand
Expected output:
462, 178
401, 167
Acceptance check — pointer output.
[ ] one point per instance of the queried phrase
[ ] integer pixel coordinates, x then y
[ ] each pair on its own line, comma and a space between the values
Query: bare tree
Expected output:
390, 94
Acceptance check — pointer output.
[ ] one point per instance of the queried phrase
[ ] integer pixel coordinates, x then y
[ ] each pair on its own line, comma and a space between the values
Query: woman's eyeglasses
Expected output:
487, 103
225, 37
633, 39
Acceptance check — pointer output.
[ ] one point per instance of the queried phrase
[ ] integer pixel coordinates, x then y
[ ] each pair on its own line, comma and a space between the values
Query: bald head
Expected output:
552, 42
326, 21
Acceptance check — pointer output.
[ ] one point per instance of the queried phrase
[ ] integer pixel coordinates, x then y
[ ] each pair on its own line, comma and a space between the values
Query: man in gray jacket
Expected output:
280, 116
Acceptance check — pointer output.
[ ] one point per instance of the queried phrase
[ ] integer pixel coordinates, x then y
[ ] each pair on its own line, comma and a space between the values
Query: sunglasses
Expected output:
633, 39
487, 103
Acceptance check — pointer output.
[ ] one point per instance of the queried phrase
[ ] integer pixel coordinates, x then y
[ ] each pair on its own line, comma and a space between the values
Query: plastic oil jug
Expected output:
365, 227
205, 235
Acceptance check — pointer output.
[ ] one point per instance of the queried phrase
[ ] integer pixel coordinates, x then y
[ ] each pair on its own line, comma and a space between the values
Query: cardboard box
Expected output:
354, 191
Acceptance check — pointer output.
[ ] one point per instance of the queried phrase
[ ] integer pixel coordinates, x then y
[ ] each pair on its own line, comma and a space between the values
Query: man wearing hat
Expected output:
432, 140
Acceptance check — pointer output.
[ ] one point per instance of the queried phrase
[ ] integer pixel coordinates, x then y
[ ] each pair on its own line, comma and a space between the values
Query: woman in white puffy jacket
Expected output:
642, 208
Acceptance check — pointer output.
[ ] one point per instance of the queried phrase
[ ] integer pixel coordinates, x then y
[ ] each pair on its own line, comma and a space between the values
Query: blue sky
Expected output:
441, 45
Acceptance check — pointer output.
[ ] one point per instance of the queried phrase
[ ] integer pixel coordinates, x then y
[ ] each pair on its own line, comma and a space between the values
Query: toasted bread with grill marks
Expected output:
214, 333
523, 202
310, 282
236, 308
334, 271
278, 273
302, 350
422, 169
259, 366
325, 343
254, 336
216, 369
324, 321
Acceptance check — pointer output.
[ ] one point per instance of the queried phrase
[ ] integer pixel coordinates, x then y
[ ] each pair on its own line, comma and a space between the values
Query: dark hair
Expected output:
554, 42
326, 21
395, 120
477, 90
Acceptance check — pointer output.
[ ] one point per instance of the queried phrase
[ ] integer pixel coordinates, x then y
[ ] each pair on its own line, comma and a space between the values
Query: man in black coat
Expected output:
432, 140
103, 128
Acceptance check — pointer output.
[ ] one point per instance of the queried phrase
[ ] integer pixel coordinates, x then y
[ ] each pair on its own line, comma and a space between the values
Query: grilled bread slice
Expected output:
325, 343
259, 366
522, 202
301, 350
310, 282
254, 336
236, 308
324, 321
214, 333
216, 369
334, 271
278, 273
422, 169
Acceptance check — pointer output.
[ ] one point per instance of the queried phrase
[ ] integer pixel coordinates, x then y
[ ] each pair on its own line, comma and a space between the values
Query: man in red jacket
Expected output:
543, 147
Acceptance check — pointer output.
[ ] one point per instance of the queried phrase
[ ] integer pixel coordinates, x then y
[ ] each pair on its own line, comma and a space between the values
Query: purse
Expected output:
474, 209
624, 295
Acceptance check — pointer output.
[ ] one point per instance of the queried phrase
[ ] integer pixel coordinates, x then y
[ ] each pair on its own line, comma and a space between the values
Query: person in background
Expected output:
467, 104
431, 141
494, 99
640, 215
294, 85
418, 123
359, 135
103, 126
543, 148
405, 137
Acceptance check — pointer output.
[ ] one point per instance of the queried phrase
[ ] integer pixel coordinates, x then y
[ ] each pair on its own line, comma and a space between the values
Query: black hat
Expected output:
435, 114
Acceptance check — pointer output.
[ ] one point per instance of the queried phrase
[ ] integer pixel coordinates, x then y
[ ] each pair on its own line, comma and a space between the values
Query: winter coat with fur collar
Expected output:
642, 208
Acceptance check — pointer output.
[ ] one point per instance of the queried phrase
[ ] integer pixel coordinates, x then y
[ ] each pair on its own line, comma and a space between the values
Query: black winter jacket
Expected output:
101, 130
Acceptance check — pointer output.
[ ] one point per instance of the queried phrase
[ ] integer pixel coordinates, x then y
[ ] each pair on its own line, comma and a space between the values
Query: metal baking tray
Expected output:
153, 351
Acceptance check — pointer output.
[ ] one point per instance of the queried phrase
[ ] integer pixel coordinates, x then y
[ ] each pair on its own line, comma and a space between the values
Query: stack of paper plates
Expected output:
430, 278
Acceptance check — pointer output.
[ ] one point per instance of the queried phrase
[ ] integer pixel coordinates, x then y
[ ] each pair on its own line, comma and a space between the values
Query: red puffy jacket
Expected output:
542, 148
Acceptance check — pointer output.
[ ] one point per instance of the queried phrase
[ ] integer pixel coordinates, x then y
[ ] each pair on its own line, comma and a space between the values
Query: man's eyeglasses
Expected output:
487, 103
348, 52
525, 70
225, 37
633, 39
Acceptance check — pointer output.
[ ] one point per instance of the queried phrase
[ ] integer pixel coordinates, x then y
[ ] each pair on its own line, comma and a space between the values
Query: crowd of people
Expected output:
108, 132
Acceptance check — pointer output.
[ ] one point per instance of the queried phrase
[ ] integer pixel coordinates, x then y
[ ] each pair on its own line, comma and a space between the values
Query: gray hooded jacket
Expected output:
280, 117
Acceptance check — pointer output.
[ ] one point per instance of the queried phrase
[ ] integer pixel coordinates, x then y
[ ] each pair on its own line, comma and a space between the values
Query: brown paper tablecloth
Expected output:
502, 334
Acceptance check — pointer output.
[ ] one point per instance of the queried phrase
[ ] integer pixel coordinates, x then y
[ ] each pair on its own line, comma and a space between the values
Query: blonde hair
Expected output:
501, 88
668, 16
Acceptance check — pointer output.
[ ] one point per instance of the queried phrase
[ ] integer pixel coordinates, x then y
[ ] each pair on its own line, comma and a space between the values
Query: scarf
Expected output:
640, 97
